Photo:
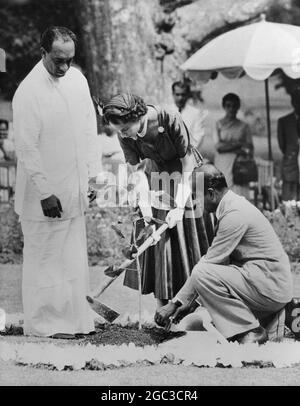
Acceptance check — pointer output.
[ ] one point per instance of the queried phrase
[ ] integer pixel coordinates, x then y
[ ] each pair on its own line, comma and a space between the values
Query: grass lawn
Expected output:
123, 300
117, 296
158, 375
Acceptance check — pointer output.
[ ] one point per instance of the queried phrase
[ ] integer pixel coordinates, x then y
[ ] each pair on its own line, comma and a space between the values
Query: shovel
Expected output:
103, 310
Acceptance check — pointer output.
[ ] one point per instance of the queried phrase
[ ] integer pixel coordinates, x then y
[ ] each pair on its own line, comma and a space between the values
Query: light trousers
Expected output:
55, 278
234, 305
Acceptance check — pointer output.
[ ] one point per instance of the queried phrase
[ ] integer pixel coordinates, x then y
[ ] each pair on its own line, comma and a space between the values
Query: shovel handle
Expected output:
146, 244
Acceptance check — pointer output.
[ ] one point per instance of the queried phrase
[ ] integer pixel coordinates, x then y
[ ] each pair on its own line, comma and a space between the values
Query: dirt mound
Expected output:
113, 334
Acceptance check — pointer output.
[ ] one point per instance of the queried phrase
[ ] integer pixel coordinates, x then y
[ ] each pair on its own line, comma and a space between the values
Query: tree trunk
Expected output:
119, 40
139, 45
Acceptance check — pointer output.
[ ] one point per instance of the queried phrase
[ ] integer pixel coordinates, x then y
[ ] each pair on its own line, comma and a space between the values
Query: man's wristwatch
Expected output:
177, 303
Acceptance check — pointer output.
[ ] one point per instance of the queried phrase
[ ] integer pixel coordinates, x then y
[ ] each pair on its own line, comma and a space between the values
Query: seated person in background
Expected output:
192, 116
288, 132
232, 135
245, 278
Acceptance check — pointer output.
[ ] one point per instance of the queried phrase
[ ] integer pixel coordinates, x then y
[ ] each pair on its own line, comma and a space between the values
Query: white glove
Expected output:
174, 216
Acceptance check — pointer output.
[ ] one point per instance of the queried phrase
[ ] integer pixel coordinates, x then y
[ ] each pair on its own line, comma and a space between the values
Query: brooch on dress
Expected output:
160, 129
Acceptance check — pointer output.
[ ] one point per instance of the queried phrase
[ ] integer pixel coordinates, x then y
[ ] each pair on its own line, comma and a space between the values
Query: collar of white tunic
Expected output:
52, 79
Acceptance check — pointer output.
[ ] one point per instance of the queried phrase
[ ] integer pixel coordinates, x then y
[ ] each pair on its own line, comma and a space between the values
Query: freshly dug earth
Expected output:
114, 334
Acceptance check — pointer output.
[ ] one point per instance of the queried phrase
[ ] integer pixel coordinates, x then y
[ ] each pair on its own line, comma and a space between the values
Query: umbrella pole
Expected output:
268, 119
270, 156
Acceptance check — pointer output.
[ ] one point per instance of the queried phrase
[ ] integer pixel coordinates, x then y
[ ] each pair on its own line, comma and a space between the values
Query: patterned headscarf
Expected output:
125, 107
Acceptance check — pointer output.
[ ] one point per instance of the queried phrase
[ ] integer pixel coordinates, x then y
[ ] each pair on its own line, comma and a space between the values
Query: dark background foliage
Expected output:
20, 30
288, 13
22, 23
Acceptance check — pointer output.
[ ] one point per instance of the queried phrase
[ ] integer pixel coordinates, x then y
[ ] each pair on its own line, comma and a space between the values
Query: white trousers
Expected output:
55, 278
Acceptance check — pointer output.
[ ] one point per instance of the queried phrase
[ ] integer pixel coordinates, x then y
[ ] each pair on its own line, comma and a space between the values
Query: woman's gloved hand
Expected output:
174, 216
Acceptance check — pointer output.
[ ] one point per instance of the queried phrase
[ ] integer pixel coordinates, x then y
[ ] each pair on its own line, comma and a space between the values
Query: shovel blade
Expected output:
104, 311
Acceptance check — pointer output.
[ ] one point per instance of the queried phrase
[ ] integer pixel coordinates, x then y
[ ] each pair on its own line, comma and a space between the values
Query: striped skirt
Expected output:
166, 265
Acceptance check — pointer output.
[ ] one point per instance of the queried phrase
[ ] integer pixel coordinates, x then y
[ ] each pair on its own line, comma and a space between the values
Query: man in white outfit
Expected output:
192, 116
55, 135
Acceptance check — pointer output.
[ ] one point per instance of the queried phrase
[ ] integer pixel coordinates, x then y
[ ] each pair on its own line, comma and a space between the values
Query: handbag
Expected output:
199, 160
244, 169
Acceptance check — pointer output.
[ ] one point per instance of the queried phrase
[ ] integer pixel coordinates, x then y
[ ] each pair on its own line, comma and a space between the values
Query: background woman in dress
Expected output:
160, 139
232, 136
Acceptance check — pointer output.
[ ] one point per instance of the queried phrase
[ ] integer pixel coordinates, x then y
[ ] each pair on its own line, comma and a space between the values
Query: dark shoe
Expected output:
63, 336
292, 310
82, 335
256, 335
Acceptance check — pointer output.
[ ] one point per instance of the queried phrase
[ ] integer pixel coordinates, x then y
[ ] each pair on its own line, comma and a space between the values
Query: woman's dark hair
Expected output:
233, 98
125, 108
54, 33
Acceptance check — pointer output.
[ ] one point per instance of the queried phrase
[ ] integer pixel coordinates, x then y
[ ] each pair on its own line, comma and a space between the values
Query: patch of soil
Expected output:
113, 334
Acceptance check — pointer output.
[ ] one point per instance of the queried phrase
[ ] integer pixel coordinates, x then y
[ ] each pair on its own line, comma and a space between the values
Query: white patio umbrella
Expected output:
256, 50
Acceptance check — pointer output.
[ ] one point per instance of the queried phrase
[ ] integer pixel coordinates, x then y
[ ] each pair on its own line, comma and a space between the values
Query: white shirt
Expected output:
55, 134
194, 120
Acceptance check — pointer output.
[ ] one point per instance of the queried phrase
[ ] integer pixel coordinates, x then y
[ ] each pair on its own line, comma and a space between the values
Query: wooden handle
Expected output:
146, 244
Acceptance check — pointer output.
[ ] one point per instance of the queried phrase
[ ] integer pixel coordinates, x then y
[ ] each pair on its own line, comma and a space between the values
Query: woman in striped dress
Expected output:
160, 139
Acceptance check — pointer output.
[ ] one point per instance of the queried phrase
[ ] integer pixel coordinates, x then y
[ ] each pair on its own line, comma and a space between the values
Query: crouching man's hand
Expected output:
181, 312
163, 314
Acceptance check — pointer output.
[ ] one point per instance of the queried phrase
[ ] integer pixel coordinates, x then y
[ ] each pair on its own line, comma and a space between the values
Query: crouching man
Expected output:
244, 280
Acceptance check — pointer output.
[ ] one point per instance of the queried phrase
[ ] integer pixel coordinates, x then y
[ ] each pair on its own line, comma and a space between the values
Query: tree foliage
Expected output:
159, 42
287, 12
20, 35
